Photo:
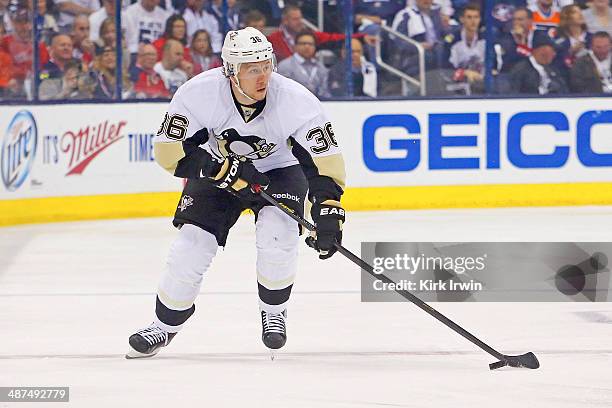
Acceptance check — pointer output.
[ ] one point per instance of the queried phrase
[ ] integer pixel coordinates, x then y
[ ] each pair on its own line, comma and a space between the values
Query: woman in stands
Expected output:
572, 38
176, 28
201, 52
105, 66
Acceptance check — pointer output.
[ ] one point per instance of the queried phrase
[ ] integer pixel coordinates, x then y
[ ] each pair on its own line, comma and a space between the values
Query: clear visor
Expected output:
252, 70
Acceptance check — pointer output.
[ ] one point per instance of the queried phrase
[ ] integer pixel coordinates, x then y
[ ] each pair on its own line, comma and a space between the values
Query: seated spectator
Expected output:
255, 19
283, 40
69, 9
572, 39
467, 49
169, 67
68, 85
591, 73
147, 82
60, 53
145, 22
546, 15
516, 45
199, 19
97, 18
424, 24
201, 53
599, 17
82, 47
537, 75
176, 29
19, 46
365, 79
215, 8
105, 68
304, 68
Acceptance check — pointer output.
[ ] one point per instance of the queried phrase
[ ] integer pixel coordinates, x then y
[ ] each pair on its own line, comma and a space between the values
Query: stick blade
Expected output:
527, 360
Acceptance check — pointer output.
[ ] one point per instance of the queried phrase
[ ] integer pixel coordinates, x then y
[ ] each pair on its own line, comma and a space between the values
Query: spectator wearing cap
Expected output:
147, 82
537, 75
424, 24
105, 67
572, 39
215, 8
60, 53
304, 68
82, 47
19, 46
169, 67
365, 78
283, 39
599, 16
592, 73
201, 53
69, 9
467, 48
515, 45
199, 19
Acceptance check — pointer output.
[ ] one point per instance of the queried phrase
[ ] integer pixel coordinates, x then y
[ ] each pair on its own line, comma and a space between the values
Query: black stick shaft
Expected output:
404, 293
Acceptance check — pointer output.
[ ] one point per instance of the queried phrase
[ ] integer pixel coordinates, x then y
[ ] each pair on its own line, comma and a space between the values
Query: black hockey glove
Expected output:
238, 177
328, 217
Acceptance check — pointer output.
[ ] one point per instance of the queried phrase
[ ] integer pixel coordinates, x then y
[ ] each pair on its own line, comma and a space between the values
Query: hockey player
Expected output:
226, 130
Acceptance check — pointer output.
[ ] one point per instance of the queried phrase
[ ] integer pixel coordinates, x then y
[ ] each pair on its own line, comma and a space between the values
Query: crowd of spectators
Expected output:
541, 46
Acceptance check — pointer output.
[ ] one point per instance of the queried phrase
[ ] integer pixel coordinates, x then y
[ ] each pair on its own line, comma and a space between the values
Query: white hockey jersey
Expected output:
291, 129
142, 26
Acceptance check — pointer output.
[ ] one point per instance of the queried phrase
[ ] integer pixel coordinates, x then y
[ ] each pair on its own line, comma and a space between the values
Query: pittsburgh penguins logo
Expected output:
244, 147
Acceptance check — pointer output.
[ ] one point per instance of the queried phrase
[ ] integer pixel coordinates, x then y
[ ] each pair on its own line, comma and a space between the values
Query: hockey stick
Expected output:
527, 360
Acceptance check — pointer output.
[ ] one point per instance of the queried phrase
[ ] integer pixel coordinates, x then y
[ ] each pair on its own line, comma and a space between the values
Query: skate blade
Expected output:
133, 354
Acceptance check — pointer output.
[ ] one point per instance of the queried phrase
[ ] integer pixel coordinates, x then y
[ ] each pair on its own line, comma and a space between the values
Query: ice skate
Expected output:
148, 341
273, 332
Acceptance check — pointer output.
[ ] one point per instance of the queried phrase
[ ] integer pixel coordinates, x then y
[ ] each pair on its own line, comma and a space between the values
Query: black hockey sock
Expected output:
172, 317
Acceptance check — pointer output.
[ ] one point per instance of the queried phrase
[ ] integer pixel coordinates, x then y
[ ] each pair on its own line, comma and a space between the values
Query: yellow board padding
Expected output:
55, 209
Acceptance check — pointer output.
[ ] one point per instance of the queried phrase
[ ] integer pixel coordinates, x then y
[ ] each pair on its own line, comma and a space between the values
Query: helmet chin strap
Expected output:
236, 83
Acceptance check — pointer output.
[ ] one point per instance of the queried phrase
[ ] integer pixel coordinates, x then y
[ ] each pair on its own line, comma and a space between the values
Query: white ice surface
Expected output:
70, 295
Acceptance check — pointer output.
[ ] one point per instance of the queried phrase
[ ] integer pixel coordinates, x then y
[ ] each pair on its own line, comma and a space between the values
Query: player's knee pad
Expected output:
190, 256
277, 239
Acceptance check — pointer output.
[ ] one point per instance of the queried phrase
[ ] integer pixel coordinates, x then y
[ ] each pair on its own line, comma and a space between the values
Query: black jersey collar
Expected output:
258, 106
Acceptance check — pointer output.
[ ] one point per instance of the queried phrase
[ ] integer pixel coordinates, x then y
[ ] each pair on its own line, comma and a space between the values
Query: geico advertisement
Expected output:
105, 149
445, 142
80, 150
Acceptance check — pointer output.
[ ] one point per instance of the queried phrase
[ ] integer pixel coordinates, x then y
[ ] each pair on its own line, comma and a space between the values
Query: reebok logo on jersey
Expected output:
186, 201
286, 196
